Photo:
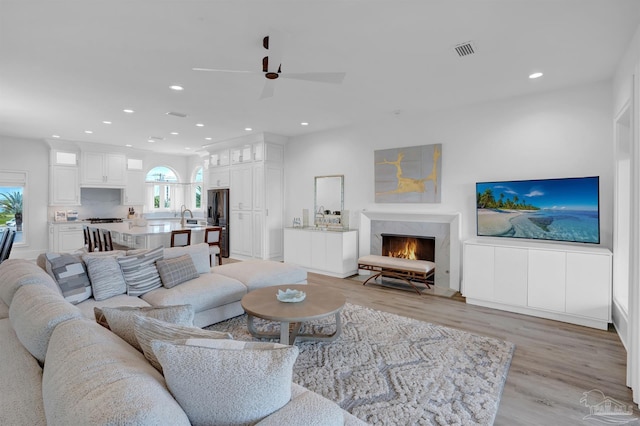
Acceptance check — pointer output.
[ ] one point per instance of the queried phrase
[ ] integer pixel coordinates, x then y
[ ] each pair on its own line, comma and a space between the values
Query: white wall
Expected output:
565, 133
31, 156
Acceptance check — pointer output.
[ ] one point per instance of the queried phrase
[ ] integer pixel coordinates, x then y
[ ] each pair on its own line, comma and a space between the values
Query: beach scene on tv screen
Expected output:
548, 209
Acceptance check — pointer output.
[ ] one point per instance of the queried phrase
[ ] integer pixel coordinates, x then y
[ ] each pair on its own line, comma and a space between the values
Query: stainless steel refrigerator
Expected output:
218, 215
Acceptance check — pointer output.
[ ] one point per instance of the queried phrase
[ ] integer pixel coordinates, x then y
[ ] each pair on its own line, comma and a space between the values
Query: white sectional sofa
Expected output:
60, 367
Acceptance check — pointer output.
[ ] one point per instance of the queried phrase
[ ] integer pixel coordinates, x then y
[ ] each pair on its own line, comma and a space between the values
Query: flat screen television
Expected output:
566, 209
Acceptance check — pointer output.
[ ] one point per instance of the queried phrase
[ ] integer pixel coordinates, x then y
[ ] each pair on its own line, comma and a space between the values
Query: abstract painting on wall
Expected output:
408, 175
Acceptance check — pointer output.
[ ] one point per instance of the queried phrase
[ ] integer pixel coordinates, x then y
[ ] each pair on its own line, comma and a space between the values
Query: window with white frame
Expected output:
12, 208
161, 189
196, 188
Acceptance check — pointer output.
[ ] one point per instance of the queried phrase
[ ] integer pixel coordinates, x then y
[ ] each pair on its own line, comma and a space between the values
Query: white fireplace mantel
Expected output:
453, 219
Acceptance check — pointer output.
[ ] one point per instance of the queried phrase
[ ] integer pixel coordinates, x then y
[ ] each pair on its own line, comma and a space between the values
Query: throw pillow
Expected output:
199, 254
140, 271
149, 329
120, 320
199, 371
176, 271
105, 275
70, 274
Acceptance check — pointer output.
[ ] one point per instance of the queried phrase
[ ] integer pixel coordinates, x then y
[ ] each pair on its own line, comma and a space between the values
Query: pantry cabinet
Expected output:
562, 282
256, 198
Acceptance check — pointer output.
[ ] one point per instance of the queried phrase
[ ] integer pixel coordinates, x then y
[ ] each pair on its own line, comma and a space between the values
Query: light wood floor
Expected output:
553, 364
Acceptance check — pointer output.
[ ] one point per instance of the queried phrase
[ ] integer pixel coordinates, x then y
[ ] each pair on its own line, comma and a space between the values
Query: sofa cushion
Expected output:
87, 307
205, 292
106, 277
35, 312
199, 254
263, 273
15, 273
120, 320
20, 395
140, 271
307, 408
211, 381
176, 270
148, 329
70, 275
93, 377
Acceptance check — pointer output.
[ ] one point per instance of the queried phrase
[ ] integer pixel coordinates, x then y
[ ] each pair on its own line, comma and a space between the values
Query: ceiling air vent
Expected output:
465, 49
156, 138
177, 114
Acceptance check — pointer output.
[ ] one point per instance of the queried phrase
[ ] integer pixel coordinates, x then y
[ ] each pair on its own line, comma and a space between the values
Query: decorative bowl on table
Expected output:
290, 295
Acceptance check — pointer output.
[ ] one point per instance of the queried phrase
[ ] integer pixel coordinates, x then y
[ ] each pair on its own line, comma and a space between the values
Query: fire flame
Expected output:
406, 252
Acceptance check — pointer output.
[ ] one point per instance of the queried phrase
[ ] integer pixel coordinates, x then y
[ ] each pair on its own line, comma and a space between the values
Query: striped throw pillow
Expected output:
140, 272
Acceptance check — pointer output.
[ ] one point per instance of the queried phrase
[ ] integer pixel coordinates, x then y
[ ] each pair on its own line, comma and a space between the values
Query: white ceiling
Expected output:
65, 66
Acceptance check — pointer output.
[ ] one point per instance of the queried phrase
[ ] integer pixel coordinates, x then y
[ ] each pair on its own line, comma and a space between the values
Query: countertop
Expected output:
153, 227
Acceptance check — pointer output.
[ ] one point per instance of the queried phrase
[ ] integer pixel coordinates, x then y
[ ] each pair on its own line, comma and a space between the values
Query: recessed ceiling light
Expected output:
55, 136
174, 133
248, 129
128, 145
199, 125
187, 147
150, 140
106, 122
88, 132
304, 123
208, 139
535, 75
176, 87
128, 111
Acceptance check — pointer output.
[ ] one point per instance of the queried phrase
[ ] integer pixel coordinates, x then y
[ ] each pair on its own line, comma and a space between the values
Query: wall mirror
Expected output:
329, 194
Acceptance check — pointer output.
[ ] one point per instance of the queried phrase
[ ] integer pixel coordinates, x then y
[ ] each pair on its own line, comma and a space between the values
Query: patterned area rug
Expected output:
387, 369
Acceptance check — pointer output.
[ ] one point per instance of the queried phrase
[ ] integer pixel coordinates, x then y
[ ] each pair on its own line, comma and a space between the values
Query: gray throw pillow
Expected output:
149, 329
176, 271
70, 274
105, 275
214, 383
140, 272
121, 319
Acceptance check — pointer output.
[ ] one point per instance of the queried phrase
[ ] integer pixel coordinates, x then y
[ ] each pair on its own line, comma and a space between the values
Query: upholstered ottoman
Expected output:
263, 273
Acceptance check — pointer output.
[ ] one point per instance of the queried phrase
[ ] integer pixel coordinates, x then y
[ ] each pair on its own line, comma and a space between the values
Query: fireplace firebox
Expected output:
414, 247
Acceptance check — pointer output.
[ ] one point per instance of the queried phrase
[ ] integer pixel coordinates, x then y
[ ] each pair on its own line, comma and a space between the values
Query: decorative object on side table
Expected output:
291, 296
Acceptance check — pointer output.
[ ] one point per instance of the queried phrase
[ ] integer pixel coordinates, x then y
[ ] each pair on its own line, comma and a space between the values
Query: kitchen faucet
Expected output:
183, 210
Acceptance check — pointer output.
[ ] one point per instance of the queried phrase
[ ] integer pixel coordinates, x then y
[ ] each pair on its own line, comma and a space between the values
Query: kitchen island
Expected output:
153, 234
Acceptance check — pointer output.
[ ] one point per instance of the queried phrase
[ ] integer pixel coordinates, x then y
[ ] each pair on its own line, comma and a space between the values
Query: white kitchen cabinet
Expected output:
556, 281
134, 191
241, 234
101, 169
64, 186
242, 154
220, 158
333, 253
219, 177
241, 193
65, 237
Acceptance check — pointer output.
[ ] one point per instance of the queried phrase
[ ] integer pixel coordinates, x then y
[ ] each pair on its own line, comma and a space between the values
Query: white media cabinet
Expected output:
562, 282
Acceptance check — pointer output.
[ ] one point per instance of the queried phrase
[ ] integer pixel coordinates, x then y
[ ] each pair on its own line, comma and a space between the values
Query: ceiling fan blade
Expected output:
268, 89
218, 70
319, 77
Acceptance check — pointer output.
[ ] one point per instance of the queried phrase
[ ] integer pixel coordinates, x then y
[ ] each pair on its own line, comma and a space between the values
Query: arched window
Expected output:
161, 184
197, 188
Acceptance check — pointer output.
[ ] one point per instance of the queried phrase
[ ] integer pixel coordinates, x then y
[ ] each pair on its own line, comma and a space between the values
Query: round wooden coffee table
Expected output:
319, 303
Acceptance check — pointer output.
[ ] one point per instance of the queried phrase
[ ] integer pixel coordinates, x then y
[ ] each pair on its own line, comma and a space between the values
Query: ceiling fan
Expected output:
272, 68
